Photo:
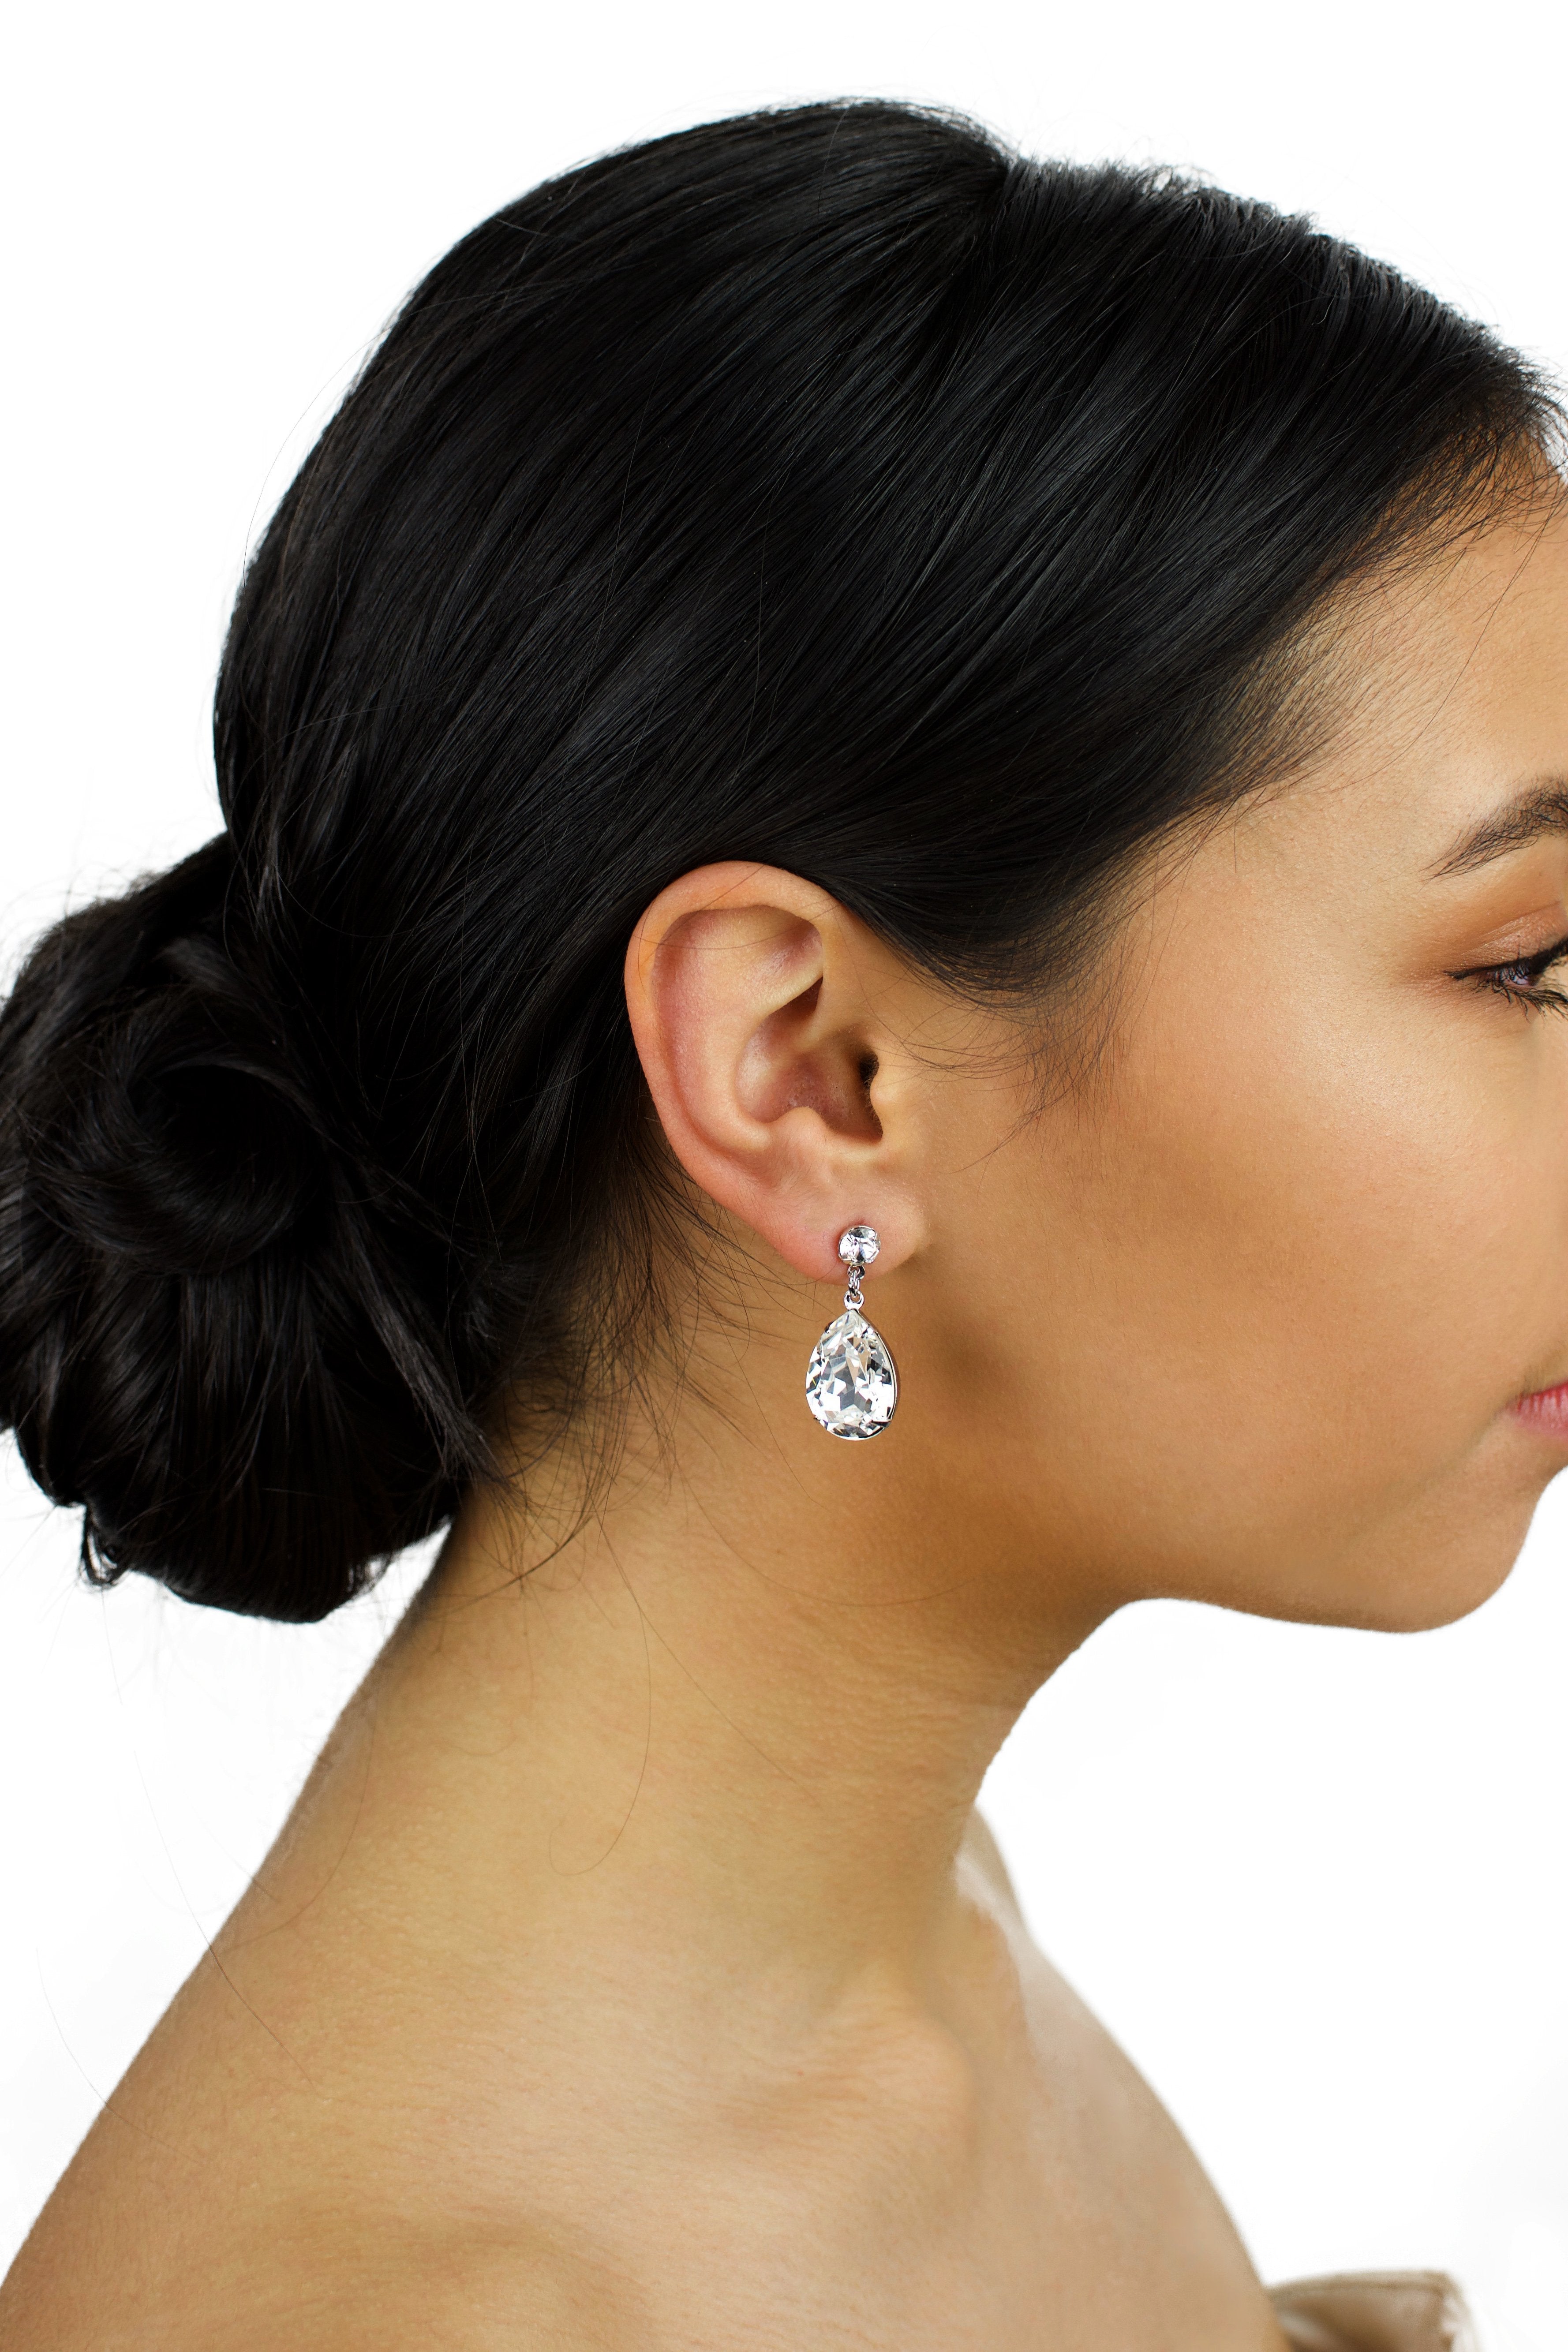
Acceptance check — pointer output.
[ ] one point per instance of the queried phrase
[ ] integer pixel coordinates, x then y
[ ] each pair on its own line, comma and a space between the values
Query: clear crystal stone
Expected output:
858, 1244
850, 1383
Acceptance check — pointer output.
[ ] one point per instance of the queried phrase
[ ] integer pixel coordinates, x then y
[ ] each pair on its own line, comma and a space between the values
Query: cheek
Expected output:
1313, 1255
1353, 1218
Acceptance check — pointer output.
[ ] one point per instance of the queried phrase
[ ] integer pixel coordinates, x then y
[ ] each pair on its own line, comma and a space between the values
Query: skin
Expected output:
633, 1971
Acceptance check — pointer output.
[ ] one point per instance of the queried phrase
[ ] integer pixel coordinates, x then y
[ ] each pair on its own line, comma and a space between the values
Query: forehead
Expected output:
1474, 638
1450, 682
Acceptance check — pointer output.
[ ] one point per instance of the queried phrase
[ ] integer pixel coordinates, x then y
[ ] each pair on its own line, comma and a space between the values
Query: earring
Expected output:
851, 1383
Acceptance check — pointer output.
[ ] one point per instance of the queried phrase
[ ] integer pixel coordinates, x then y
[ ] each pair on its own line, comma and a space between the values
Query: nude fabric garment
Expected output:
1374, 2311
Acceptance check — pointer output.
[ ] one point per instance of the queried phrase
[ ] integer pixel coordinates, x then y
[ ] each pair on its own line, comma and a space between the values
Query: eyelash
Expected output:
1525, 989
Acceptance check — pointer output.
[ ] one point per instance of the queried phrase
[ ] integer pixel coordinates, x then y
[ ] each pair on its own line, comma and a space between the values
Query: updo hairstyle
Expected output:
829, 487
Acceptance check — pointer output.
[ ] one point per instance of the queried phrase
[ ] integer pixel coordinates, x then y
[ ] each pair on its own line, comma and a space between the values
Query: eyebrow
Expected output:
1542, 810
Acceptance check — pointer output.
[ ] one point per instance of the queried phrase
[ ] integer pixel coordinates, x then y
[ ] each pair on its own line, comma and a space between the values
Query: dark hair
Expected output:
829, 487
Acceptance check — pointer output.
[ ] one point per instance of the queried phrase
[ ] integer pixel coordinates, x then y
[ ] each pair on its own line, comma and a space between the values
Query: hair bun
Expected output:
202, 1341
163, 1123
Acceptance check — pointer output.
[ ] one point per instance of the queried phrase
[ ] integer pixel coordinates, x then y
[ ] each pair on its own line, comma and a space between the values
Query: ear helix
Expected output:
851, 1382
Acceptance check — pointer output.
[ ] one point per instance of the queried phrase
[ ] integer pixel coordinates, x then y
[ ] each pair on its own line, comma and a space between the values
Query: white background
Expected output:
1315, 1881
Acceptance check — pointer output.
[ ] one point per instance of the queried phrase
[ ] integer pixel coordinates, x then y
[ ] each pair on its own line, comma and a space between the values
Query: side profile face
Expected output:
1258, 1297
1244, 1310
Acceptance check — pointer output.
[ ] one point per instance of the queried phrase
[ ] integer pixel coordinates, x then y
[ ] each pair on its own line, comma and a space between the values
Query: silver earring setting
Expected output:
851, 1382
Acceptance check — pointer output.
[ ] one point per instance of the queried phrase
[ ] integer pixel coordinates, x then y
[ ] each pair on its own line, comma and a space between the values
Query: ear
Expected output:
769, 1022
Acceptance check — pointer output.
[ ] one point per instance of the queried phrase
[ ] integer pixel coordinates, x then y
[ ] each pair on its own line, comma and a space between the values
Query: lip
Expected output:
1545, 1409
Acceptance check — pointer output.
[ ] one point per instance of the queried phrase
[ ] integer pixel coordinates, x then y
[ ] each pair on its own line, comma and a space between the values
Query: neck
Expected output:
727, 1720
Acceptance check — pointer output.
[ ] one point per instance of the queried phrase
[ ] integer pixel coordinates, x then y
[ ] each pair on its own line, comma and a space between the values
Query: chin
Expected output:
1413, 1585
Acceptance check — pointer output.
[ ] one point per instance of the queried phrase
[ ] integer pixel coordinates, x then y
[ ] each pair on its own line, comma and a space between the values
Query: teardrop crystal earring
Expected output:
851, 1383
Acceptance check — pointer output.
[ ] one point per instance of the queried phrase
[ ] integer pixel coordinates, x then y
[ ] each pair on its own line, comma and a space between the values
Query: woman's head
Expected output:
953, 545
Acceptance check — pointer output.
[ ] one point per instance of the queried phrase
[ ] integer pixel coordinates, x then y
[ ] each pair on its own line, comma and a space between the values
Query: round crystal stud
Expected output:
858, 1244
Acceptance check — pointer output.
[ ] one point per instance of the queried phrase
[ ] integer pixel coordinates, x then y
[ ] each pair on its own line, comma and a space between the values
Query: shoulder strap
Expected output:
1374, 2311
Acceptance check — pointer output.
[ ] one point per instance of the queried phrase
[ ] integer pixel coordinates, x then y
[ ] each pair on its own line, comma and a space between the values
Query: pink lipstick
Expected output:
1545, 1409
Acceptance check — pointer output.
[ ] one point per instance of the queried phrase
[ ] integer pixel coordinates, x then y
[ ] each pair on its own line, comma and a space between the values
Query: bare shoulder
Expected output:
1061, 2027
240, 2264
1049, 1997
1115, 2150
983, 1855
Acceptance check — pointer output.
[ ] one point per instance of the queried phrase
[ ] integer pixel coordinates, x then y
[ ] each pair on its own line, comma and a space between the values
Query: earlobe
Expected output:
753, 996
